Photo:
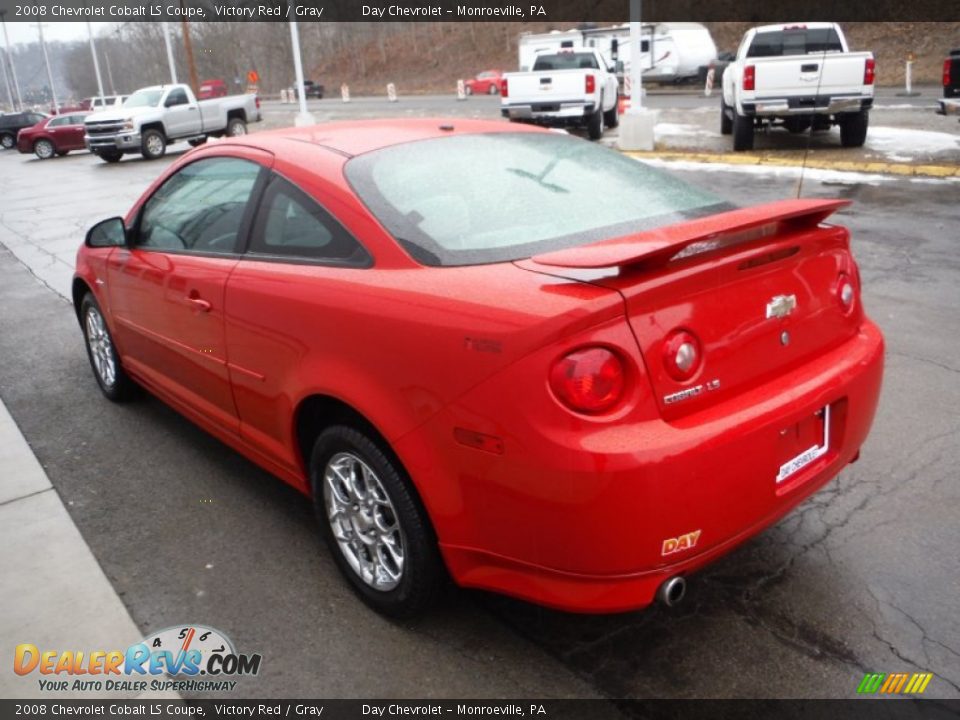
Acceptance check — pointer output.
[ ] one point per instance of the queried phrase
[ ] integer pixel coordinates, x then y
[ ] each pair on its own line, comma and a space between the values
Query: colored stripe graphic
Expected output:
894, 683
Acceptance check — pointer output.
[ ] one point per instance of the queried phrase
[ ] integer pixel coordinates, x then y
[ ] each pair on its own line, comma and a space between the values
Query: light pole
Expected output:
637, 125
96, 64
303, 117
173, 65
13, 69
46, 60
6, 81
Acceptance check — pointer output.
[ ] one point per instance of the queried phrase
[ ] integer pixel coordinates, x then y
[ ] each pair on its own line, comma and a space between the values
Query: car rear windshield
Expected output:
566, 61
794, 41
475, 199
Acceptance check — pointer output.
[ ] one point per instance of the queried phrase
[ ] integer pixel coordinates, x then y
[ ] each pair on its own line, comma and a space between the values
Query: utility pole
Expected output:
637, 125
96, 63
173, 65
46, 60
6, 81
188, 46
13, 69
303, 117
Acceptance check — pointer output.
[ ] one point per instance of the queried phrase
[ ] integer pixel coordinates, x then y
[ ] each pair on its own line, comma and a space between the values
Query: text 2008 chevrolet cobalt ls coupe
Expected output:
491, 351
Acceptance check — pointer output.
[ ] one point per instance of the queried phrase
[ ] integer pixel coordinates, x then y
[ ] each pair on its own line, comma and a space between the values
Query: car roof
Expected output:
359, 137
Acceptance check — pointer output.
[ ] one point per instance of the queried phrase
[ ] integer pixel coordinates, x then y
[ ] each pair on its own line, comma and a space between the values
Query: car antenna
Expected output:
813, 121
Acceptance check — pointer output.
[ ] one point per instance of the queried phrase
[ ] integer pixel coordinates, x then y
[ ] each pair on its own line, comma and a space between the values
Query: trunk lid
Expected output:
738, 281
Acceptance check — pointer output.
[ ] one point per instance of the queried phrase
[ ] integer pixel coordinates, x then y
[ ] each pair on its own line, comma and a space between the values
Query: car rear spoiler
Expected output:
664, 243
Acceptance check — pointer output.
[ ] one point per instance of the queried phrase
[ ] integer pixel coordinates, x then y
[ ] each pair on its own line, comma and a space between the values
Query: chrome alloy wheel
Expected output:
364, 521
101, 348
155, 145
44, 149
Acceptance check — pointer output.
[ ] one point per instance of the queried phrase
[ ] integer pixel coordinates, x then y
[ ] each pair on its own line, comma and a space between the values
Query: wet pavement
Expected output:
863, 577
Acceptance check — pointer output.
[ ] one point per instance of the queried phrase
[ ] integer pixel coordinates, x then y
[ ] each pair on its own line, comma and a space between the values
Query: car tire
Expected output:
386, 511
742, 132
493, 89
726, 119
595, 123
115, 384
8, 141
110, 157
44, 149
611, 118
853, 129
153, 145
236, 127
197, 142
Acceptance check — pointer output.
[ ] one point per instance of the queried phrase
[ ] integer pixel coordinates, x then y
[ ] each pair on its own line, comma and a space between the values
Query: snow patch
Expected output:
674, 129
891, 140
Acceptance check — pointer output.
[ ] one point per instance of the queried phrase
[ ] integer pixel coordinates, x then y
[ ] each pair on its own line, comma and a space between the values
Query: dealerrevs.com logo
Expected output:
183, 658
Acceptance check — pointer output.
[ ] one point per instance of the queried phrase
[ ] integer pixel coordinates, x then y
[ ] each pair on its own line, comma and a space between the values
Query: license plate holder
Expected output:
815, 428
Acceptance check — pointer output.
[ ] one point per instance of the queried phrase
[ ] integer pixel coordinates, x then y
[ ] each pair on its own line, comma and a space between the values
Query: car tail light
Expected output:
504, 89
750, 77
681, 355
946, 72
869, 71
589, 380
846, 293
590, 84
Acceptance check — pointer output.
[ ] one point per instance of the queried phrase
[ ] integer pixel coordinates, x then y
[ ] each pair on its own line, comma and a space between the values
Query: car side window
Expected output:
58, 121
291, 224
200, 209
177, 97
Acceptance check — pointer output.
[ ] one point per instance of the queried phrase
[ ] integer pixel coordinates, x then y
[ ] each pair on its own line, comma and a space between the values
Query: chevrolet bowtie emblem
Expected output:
781, 306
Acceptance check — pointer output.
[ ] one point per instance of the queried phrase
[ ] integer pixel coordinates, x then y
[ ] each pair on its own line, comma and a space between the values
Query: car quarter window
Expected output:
199, 209
291, 224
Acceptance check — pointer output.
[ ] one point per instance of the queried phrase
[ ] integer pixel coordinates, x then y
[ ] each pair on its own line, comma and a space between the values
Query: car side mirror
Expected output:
107, 233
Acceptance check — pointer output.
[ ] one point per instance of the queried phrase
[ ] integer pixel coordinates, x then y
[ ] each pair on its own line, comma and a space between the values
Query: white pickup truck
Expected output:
572, 87
153, 117
797, 76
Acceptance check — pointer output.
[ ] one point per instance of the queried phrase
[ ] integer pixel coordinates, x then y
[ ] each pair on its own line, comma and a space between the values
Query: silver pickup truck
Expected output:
153, 117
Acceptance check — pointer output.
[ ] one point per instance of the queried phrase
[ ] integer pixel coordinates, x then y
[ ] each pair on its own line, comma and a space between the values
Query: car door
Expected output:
182, 116
167, 287
283, 299
73, 133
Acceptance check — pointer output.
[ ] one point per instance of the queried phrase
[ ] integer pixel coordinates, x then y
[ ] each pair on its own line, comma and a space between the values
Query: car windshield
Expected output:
795, 41
566, 61
144, 98
475, 199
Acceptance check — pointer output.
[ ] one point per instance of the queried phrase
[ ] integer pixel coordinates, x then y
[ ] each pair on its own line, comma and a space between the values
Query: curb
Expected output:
877, 168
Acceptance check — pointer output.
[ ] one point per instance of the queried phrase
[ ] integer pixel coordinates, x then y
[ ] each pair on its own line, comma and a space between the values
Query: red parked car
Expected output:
52, 136
486, 83
578, 399
212, 89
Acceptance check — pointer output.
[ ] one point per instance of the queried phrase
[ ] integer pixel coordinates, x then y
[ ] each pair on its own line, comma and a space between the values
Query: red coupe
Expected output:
486, 83
55, 135
578, 398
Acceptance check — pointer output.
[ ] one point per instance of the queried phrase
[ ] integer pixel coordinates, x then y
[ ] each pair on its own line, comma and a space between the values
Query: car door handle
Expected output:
199, 304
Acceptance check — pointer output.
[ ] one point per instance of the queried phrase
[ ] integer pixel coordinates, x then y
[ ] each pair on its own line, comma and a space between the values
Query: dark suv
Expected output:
12, 123
951, 75
311, 89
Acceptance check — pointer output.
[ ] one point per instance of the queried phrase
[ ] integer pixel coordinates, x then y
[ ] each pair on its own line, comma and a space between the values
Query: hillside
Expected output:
430, 57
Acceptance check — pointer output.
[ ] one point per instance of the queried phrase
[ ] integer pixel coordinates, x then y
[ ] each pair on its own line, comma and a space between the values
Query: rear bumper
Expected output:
582, 527
807, 105
548, 112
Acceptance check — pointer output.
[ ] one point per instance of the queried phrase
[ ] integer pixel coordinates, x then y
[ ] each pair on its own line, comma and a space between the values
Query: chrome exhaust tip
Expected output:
672, 591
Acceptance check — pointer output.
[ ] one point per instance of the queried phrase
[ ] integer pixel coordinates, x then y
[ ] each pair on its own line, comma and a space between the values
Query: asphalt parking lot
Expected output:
864, 577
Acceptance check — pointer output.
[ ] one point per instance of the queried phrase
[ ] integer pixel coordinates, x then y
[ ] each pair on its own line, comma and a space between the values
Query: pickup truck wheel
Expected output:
43, 149
376, 528
236, 127
595, 123
8, 141
110, 157
853, 129
742, 132
611, 118
726, 119
153, 145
